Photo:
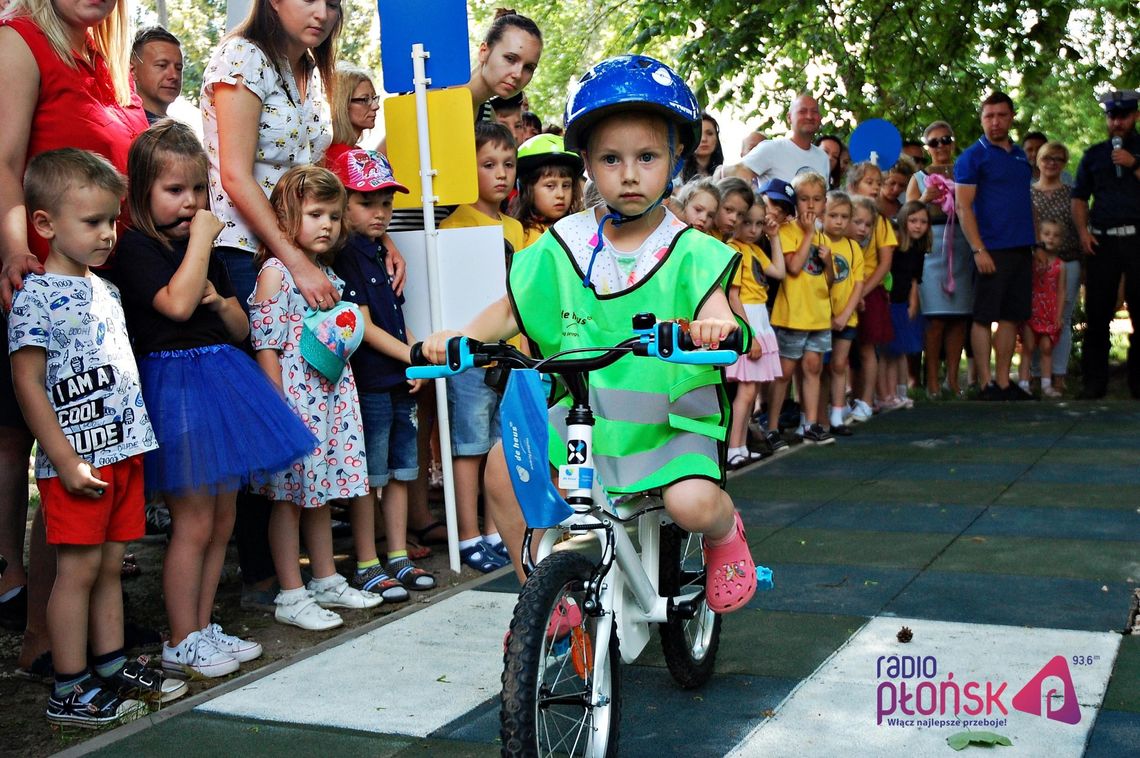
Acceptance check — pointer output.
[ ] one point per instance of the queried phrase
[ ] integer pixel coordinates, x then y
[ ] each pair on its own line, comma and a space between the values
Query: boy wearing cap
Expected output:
387, 404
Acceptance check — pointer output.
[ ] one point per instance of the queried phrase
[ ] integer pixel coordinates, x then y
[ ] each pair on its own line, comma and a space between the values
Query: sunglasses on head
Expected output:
943, 140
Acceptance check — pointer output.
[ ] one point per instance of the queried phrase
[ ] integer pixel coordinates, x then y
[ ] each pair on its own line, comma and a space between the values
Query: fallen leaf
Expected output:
960, 740
767, 713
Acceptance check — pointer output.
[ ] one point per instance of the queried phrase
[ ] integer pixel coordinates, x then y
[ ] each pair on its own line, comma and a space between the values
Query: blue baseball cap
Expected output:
779, 191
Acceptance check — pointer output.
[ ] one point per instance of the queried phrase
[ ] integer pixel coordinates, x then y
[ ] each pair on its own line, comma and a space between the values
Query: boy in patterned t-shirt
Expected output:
78, 387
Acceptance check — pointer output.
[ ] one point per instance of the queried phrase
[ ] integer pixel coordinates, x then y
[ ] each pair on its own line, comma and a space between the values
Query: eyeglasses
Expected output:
369, 101
944, 140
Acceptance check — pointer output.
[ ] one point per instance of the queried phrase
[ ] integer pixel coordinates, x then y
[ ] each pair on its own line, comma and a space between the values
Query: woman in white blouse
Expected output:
264, 110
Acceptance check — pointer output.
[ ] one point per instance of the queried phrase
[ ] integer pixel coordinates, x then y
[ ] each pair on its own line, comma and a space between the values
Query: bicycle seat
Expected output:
526, 439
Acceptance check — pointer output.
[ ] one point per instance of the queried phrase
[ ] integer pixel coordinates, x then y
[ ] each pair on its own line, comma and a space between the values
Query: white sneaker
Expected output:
340, 594
198, 657
305, 613
242, 650
860, 411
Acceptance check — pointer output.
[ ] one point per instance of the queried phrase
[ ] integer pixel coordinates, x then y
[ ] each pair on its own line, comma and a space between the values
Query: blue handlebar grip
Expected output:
429, 372
764, 578
459, 359
696, 357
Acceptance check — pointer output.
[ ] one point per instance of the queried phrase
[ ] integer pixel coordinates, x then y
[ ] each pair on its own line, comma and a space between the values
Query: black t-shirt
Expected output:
906, 267
142, 267
1115, 200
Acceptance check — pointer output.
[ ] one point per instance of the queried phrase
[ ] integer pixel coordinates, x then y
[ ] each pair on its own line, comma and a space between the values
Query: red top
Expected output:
335, 150
76, 108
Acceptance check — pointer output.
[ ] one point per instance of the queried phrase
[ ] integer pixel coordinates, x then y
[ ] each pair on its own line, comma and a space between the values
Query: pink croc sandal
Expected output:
731, 579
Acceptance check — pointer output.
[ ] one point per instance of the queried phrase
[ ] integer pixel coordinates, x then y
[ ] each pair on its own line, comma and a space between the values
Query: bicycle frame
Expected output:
631, 593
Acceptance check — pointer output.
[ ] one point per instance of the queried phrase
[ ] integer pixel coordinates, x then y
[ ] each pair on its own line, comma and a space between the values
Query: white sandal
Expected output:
342, 595
306, 614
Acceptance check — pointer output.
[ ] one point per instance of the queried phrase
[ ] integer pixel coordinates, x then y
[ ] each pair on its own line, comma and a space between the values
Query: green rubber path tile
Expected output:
930, 491
771, 486
777, 644
950, 454
894, 550
1100, 560
1084, 495
1123, 692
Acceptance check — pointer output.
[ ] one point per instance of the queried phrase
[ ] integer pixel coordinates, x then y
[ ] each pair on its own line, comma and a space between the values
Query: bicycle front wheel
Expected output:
689, 645
559, 697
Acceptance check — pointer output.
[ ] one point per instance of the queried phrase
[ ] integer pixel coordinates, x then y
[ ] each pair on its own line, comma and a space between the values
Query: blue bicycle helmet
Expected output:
625, 82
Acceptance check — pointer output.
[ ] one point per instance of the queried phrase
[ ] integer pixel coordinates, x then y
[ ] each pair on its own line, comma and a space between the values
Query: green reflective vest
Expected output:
656, 422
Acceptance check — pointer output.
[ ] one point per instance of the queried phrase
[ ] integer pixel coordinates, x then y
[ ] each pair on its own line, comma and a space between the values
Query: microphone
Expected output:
1118, 143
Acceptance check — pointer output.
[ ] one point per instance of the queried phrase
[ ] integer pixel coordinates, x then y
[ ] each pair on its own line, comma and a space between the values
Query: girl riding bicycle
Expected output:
658, 425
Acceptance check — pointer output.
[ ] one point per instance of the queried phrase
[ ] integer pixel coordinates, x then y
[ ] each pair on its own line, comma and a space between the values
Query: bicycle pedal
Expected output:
764, 578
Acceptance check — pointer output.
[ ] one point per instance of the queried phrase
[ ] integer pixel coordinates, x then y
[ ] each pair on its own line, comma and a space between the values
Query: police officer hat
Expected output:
1120, 101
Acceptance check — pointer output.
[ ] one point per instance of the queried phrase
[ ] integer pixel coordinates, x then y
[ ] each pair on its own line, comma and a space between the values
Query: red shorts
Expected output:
117, 516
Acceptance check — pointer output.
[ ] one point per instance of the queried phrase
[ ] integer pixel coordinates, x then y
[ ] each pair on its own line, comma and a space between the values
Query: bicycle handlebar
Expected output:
664, 340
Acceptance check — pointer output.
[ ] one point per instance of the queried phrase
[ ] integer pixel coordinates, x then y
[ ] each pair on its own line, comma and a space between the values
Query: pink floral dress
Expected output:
1043, 320
337, 467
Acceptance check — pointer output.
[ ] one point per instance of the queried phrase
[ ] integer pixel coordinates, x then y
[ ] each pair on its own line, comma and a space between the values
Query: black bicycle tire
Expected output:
688, 669
518, 715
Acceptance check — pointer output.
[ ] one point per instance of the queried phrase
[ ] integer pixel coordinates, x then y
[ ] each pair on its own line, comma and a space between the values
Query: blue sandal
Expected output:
482, 557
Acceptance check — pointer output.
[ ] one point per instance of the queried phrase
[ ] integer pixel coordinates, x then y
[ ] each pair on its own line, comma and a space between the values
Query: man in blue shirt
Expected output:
995, 208
1109, 174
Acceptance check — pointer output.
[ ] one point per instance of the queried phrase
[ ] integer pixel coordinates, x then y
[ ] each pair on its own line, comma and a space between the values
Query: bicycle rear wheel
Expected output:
689, 645
557, 700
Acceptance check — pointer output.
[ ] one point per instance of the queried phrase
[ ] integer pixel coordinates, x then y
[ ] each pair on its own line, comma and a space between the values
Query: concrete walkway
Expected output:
1006, 538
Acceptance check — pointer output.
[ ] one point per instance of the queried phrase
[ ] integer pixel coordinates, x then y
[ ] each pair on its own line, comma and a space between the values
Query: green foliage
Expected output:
910, 62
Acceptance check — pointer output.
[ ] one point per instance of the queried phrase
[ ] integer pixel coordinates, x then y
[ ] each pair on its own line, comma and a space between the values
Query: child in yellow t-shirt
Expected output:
875, 329
736, 197
472, 406
846, 290
749, 295
802, 313
697, 203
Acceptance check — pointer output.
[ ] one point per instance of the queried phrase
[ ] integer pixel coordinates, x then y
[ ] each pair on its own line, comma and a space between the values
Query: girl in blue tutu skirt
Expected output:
220, 423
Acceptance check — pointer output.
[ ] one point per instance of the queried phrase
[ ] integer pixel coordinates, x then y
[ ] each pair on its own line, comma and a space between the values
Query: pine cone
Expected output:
905, 634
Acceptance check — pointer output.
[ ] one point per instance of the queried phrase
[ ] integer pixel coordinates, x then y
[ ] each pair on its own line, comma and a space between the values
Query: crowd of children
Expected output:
828, 282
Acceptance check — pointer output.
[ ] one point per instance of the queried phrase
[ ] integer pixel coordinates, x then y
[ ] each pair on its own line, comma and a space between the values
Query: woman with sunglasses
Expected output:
946, 292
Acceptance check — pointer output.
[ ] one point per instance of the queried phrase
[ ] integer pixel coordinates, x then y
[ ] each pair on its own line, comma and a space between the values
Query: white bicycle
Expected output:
578, 617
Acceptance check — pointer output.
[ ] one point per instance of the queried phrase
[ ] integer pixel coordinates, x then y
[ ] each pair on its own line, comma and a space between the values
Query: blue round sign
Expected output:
876, 140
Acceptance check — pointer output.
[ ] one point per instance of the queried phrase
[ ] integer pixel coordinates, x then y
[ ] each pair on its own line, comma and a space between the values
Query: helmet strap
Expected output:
618, 218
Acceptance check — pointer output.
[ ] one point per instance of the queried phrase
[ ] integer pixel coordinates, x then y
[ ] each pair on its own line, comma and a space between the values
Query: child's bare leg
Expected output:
466, 470
701, 507
316, 525
779, 392
362, 510
285, 543
870, 369
504, 507
105, 614
1028, 345
77, 572
394, 506
1046, 344
225, 513
742, 406
192, 526
812, 364
840, 357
